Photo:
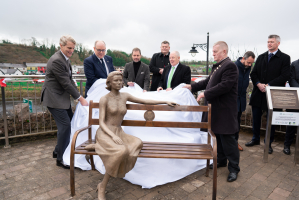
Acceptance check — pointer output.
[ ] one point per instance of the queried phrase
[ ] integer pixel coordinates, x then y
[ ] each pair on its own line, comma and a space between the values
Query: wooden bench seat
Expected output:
157, 149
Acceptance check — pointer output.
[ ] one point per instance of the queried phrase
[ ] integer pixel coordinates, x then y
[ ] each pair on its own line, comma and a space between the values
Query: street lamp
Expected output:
204, 47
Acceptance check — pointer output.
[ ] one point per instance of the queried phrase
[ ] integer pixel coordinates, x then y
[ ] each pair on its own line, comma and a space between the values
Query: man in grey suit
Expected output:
137, 72
56, 91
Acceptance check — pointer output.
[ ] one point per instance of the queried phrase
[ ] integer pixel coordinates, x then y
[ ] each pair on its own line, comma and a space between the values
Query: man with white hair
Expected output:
174, 74
221, 91
56, 91
98, 65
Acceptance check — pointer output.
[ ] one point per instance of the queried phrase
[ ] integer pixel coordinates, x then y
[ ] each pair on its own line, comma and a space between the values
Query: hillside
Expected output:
19, 53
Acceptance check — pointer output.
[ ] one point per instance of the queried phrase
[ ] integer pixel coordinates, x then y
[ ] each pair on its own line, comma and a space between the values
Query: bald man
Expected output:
98, 65
221, 91
174, 74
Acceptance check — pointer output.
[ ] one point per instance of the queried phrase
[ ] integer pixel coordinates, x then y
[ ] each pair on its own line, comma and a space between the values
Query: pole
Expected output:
207, 54
5, 118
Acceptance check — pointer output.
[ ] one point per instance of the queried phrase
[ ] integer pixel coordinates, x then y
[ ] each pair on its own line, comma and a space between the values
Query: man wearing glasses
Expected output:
98, 65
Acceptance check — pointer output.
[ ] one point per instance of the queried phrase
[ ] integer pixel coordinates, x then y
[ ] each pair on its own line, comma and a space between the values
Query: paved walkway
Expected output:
27, 171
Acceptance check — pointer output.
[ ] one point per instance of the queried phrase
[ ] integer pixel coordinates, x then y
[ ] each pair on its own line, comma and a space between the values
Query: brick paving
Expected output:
28, 171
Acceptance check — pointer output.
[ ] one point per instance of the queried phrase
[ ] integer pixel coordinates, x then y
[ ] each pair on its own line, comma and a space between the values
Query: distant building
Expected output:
10, 72
21, 67
78, 69
36, 68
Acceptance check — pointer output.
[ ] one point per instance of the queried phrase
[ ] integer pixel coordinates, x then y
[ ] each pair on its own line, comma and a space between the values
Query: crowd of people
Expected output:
225, 89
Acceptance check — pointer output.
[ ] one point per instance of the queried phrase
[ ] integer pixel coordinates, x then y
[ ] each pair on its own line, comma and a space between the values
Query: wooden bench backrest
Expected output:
148, 123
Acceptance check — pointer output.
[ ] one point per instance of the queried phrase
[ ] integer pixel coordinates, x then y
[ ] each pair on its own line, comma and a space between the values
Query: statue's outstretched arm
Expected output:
148, 101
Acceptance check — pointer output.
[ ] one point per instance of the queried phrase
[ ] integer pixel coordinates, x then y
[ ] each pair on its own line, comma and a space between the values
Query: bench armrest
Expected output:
211, 133
73, 145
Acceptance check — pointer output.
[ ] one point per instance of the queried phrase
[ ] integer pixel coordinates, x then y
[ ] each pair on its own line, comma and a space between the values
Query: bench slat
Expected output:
176, 152
161, 107
165, 124
144, 155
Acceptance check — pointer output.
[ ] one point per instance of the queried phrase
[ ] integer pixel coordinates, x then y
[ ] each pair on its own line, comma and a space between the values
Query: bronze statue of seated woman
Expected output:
117, 149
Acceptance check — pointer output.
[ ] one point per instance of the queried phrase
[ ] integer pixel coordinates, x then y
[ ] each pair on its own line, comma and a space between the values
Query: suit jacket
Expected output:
142, 77
58, 85
221, 91
182, 74
275, 73
94, 70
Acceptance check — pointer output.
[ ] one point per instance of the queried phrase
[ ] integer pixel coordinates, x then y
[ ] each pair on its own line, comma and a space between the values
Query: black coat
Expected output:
294, 80
275, 73
158, 61
182, 74
242, 84
221, 91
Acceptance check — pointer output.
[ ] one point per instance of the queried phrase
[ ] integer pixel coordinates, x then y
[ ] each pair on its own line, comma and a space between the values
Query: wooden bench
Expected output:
157, 149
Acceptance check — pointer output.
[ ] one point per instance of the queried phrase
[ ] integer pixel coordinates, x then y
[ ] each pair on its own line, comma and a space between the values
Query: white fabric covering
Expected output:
148, 172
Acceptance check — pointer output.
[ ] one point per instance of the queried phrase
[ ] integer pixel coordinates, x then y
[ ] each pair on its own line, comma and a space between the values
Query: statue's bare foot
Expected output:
101, 192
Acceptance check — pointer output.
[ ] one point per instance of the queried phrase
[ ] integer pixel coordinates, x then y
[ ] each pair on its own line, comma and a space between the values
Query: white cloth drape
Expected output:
148, 172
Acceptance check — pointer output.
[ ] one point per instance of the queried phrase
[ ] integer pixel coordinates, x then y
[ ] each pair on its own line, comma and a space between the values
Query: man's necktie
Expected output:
170, 77
103, 64
270, 56
69, 65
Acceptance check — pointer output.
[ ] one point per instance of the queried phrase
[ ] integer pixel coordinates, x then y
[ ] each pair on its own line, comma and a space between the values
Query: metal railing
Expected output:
31, 118
20, 121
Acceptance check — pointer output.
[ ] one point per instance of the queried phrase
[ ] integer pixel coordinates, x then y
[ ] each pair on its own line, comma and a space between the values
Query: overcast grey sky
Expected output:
125, 24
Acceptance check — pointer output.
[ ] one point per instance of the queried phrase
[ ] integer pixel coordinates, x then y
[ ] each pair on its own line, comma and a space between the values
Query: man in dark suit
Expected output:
137, 72
291, 130
175, 73
272, 68
244, 66
98, 65
221, 91
158, 62
56, 91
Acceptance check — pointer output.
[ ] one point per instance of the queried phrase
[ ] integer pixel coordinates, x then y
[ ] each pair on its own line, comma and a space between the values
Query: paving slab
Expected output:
28, 171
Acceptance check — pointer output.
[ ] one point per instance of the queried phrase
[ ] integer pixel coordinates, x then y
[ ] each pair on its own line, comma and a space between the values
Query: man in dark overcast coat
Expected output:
271, 68
158, 62
244, 66
221, 91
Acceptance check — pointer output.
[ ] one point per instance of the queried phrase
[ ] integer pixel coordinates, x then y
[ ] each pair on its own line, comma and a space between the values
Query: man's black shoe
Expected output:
252, 143
270, 150
218, 165
232, 177
54, 154
60, 164
286, 150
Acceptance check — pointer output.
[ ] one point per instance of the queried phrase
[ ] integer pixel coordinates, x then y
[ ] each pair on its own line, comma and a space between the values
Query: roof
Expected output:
9, 71
36, 64
12, 65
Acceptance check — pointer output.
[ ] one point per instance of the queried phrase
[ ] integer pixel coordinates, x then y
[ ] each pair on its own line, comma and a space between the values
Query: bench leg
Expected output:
92, 162
72, 175
208, 166
214, 178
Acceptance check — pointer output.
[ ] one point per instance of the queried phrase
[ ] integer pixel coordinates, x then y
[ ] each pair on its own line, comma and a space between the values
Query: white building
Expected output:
11, 72
20, 67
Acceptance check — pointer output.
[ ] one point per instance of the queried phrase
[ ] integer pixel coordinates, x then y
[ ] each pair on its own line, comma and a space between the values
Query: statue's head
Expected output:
110, 77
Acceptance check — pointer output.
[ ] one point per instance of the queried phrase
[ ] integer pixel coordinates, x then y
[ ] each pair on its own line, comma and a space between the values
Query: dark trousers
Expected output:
257, 113
290, 134
62, 119
239, 122
227, 149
